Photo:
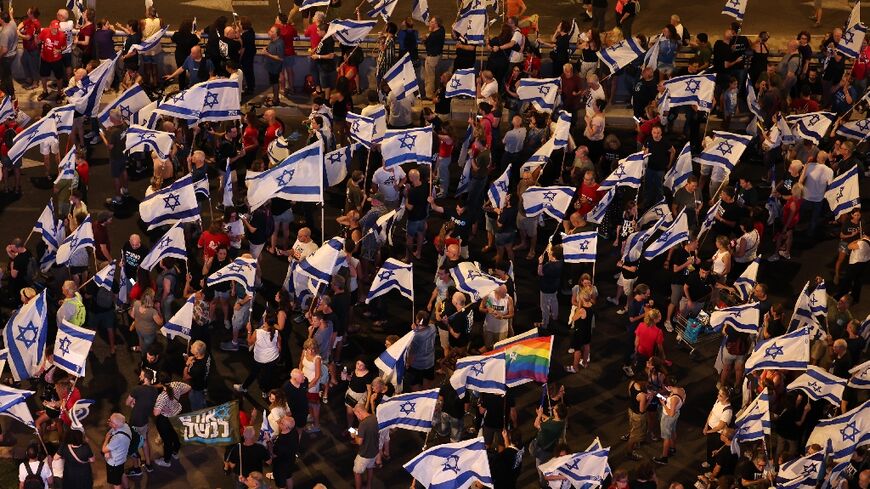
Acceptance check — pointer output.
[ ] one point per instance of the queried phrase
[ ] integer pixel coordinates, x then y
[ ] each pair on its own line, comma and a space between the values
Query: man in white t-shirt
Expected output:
596, 92
518, 42
815, 179
390, 182
35, 466
66, 26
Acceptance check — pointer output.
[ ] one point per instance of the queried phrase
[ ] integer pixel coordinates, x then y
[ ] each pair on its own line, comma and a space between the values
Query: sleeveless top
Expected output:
752, 240
632, 394
677, 409
310, 374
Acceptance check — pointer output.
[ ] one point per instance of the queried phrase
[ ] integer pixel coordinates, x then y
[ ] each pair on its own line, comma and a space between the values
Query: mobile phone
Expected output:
132, 282
663, 398
636, 119
352, 431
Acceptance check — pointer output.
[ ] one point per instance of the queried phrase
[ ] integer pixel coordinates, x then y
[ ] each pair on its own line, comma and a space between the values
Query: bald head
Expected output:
196, 52
135, 241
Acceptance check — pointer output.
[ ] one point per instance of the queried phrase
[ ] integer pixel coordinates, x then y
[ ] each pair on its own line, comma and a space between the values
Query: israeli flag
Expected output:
735, 8
82, 237
470, 23
582, 469
227, 186
150, 43
562, 131
674, 234
350, 32
180, 324
148, 116
844, 433
278, 151
461, 84
628, 173
499, 189
266, 431
752, 422
335, 164
790, 351
856, 130
813, 126
596, 215
692, 90
362, 129
57, 121
171, 245
402, 78
105, 278
47, 225
420, 11
806, 303
725, 151
656, 212
819, 384
24, 337
710, 217
13, 403
637, 240
319, 265
470, 279
800, 472
553, 201
175, 203
854, 16
480, 373
412, 411
620, 54
86, 94
580, 247
464, 162
393, 274
384, 8
129, 103
785, 134
298, 178
7, 109
860, 376
80, 410
66, 168
752, 102
383, 228
211, 100
71, 347
407, 146
307, 4
541, 92
842, 194
676, 177
651, 57
452, 465
242, 270
850, 43
141, 139
744, 318
392, 361
745, 283
540, 157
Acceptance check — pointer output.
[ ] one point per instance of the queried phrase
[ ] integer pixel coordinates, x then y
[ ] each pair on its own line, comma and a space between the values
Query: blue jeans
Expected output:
197, 399
146, 340
30, 62
814, 209
652, 184
166, 304
444, 173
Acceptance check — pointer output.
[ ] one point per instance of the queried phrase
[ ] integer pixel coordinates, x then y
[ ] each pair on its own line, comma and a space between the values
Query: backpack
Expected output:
33, 480
135, 441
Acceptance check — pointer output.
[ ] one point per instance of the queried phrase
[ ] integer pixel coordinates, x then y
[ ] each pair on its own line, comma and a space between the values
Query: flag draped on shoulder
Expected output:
82, 237
402, 78
350, 32
394, 274
71, 348
150, 43
580, 247
480, 373
171, 245
452, 465
628, 172
392, 361
790, 351
25, 335
470, 23
744, 318
412, 411
242, 270
175, 203
214, 426
141, 139
726, 150
674, 234
471, 280
620, 54
541, 92
680, 172
819, 384
735, 8
461, 84
298, 178
407, 146
812, 126
692, 90
843, 193
752, 422
553, 201
336, 163
180, 324
129, 103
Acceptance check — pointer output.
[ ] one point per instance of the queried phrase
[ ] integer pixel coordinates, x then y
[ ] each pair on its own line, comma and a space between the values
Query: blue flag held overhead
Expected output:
82, 237
470, 23
735, 8
843, 193
744, 285
860, 378
620, 54
175, 203
393, 274
596, 215
744, 318
580, 247
790, 351
819, 384
24, 337
141, 139
242, 270
452, 465
553, 201
499, 189
129, 103
298, 178
680, 172
692, 90
856, 130
13, 403
812, 126
480, 373
843, 434
628, 172
180, 324
350, 32
407, 146
71, 348
752, 423
362, 129
674, 234
402, 78
392, 361
171, 245
471, 280
725, 150
461, 84
412, 411
150, 43
541, 92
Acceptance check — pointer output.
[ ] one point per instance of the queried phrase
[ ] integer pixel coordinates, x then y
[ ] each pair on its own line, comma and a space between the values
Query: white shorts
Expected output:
362, 464
49, 147
626, 283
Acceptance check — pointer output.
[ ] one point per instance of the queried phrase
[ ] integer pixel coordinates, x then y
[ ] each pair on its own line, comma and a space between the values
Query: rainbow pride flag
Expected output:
527, 357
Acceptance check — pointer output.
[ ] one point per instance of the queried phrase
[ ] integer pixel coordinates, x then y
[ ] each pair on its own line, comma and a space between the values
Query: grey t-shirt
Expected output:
9, 39
368, 431
276, 48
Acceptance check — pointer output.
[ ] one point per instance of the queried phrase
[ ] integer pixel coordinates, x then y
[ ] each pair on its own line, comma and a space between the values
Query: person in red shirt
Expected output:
804, 104
588, 195
52, 42
84, 171
29, 31
649, 340
212, 239
69, 395
274, 128
8, 130
288, 34
250, 143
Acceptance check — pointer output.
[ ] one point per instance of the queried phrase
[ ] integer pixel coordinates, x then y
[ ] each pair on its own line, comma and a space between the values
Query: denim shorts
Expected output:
416, 227
149, 58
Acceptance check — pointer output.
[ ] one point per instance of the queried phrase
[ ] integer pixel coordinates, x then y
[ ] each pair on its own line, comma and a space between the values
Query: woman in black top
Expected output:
359, 387
760, 53
341, 102
134, 36
560, 42
77, 458
249, 50
466, 54
498, 59
185, 39
215, 33
626, 18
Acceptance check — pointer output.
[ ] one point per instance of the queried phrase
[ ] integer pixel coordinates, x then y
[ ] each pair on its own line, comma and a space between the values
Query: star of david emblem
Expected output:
64, 345
620, 171
584, 245
738, 313
665, 235
692, 86
735, 3
451, 462
73, 242
473, 274
549, 196
813, 300
57, 118
126, 113
285, 177
455, 84
814, 119
171, 201
724, 147
863, 124
235, 268
408, 407
146, 136
840, 194
27, 335
477, 369
335, 158
848, 36
164, 243
355, 127
808, 470
573, 465
502, 186
544, 89
659, 212
178, 97
773, 351
850, 431
864, 373
815, 386
617, 46
406, 141
386, 274
211, 99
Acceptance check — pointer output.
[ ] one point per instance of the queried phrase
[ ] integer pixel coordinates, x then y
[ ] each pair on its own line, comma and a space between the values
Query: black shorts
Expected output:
66, 58
47, 69
274, 78
414, 376
117, 167
114, 473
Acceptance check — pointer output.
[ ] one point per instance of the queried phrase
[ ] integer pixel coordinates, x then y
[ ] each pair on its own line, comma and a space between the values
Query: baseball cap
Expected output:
55, 24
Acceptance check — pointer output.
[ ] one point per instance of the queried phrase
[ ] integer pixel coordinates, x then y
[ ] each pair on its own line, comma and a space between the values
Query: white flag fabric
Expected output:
179, 325
800, 472
850, 43
620, 54
407, 146
855, 130
402, 78
80, 410
810, 302
562, 131
540, 157
13, 403
480, 373
752, 422
860, 378
420, 11
651, 57
362, 129
393, 274
211, 100
82, 237
656, 212
57, 121
636, 241
470, 279
129, 103
412, 411
85, 95
499, 189
175, 203
171, 245
350, 32
452, 465
24, 337
307, 4
148, 116
676, 177
227, 186
735, 8
752, 103
745, 283
392, 361
553, 201
628, 173
692, 90
790, 351
336, 163
843, 434
71, 347
674, 234
66, 168
105, 278
242, 270
726, 150
470, 24
744, 318
582, 469
150, 43
854, 16
541, 92
298, 178
710, 218
461, 84
7, 109
319, 265
47, 226
812, 126
843, 193
384, 8
141, 139
596, 215
819, 384
580, 247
